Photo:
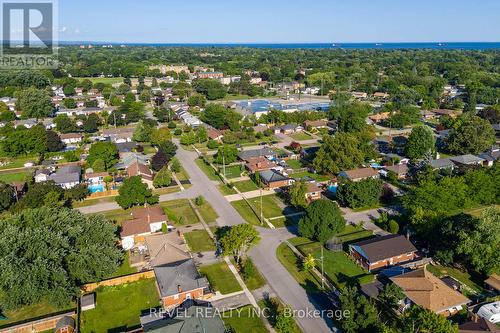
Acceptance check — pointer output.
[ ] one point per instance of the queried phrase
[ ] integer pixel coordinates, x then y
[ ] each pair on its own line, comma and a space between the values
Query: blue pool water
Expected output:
96, 188
332, 189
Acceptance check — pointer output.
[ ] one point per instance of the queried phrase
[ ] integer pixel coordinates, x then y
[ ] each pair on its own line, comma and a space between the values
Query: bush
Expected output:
177, 131
365, 193
393, 227
199, 201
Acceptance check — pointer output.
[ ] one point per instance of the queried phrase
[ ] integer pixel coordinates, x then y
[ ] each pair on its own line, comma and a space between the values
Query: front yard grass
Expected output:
293, 264
91, 202
339, 267
119, 307
295, 164
300, 136
269, 204
207, 169
246, 186
180, 212
182, 175
199, 241
207, 212
226, 190
231, 171
221, 278
243, 320
254, 280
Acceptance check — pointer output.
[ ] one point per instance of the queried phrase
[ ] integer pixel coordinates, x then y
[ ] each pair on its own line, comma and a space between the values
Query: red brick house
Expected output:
178, 282
380, 252
256, 164
272, 179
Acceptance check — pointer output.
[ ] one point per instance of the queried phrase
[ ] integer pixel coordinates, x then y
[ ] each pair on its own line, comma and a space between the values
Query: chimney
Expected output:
179, 288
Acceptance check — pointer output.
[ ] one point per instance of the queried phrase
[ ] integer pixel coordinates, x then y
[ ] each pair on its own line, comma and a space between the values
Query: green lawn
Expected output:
295, 164
106, 80
315, 176
243, 320
91, 202
269, 204
43, 308
118, 215
272, 306
226, 190
231, 172
463, 277
167, 190
180, 212
339, 267
207, 212
120, 307
199, 241
293, 264
221, 278
353, 233
182, 175
246, 186
14, 177
207, 169
300, 136
124, 268
254, 280
17, 162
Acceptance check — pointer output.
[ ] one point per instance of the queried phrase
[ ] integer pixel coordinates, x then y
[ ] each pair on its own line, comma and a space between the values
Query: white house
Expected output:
42, 175
490, 312
71, 138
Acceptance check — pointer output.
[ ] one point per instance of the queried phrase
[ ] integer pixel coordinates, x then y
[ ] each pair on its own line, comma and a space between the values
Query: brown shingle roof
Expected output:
426, 290
360, 173
494, 281
384, 247
400, 169
255, 164
139, 169
142, 217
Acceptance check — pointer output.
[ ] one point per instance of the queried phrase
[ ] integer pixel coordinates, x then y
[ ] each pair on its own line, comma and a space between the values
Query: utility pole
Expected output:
224, 165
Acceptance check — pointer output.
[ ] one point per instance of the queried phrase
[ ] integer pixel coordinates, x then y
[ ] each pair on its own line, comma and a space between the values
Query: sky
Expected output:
279, 21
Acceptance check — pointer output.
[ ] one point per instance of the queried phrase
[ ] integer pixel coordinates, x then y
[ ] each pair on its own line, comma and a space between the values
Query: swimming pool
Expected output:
333, 189
96, 188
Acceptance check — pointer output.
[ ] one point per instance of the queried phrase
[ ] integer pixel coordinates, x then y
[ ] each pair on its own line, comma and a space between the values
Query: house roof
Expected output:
477, 325
359, 173
312, 188
269, 176
166, 248
181, 275
426, 290
441, 163
466, 159
67, 174
489, 310
142, 217
71, 136
493, 281
191, 318
214, 134
87, 300
384, 247
126, 147
259, 163
247, 154
315, 123
139, 169
400, 169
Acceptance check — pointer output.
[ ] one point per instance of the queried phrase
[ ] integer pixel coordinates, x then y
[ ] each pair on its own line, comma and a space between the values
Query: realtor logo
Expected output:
28, 34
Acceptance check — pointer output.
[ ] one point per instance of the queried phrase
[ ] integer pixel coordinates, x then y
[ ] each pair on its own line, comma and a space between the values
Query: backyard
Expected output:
231, 171
118, 308
28, 312
221, 278
180, 212
471, 281
10, 177
199, 241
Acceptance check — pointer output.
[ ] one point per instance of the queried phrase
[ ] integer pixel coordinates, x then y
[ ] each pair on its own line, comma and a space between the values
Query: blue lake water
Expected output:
332, 45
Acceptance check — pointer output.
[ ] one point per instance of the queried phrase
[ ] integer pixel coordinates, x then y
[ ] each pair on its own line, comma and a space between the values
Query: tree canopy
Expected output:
337, 153
322, 221
420, 143
105, 151
47, 253
134, 192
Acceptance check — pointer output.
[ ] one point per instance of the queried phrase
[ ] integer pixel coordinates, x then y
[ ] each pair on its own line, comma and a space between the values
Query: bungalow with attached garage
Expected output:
381, 252
357, 175
145, 221
67, 176
215, 135
272, 179
179, 281
256, 164
424, 289
317, 124
401, 170
266, 152
442, 164
468, 159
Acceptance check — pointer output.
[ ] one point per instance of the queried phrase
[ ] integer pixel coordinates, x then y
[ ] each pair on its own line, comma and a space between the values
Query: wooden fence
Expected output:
38, 325
91, 287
